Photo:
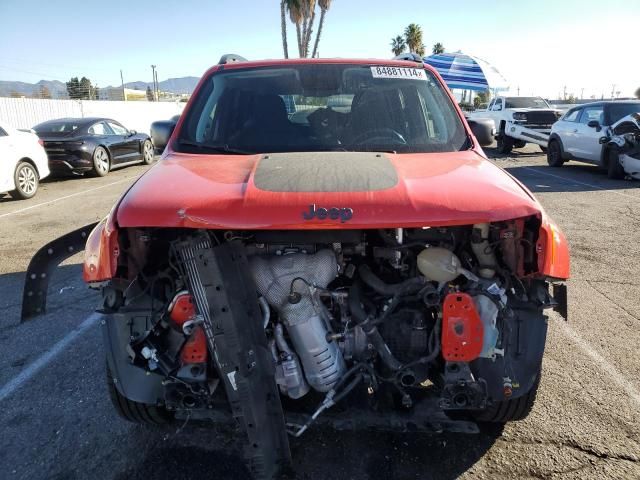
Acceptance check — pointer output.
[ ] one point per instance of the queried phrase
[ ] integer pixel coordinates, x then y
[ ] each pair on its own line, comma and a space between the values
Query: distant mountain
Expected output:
172, 85
59, 89
56, 88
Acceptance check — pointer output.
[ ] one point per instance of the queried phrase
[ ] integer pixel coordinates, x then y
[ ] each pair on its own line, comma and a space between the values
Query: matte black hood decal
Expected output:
325, 172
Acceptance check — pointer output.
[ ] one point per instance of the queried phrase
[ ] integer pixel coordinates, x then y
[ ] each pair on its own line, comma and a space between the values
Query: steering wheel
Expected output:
380, 136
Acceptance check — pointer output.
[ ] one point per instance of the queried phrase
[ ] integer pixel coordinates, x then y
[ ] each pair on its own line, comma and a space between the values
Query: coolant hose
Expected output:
411, 285
355, 304
374, 337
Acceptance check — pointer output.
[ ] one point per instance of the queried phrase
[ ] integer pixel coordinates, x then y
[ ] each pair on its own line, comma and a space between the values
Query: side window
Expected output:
592, 113
572, 115
3, 133
497, 105
99, 129
118, 129
491, 104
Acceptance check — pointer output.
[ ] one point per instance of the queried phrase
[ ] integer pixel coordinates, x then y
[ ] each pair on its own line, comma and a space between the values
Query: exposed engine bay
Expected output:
384, 310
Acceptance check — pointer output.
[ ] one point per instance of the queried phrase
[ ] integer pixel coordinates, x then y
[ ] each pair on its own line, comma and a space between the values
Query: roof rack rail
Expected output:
231, 58
412, 57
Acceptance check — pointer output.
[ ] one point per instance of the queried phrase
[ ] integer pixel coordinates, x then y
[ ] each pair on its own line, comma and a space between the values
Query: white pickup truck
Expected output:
519, 120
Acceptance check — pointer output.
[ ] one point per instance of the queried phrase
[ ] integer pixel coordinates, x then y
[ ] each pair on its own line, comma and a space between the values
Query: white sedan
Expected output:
23, 162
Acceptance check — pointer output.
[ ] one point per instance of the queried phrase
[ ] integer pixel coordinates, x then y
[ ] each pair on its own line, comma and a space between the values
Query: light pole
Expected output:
153, 76
124, 95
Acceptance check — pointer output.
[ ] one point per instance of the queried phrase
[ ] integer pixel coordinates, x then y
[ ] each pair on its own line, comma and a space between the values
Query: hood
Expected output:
323, 190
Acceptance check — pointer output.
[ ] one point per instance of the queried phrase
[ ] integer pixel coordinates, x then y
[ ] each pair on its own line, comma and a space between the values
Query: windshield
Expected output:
322, 107
526, 102
57, 127
620, 110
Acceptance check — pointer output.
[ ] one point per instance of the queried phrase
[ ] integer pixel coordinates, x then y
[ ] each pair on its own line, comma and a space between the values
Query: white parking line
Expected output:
601, 362
47, 357
580, 183
128, 179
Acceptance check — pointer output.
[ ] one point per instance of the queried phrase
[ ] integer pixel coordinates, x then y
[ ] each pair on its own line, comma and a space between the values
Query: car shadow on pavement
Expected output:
574, 177
66, 290
216, 452
493, 154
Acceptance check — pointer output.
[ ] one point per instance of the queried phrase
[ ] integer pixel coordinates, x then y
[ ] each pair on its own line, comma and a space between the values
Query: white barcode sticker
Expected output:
399, 72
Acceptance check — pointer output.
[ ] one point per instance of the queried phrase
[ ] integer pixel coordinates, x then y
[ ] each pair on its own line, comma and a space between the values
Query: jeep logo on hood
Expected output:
333, 213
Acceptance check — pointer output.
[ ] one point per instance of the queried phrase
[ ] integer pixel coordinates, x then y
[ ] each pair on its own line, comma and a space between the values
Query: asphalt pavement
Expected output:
56, 420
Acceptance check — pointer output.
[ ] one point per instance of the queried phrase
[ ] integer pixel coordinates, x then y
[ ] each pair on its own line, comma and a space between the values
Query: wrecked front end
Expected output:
625, 141
409, 329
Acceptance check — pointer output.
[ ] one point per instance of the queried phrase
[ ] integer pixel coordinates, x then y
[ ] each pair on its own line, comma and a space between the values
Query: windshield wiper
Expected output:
222, 148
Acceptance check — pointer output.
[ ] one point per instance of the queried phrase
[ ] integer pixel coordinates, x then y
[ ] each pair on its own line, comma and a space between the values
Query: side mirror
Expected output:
161, 132
482, 129
594, 124
602, 140
132, 133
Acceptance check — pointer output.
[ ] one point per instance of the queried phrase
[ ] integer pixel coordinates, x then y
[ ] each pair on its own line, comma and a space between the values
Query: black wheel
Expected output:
614, 169
134, 411
147, 152
543, 149
510, 410
554, 154
505, 144
26, 180
101, 162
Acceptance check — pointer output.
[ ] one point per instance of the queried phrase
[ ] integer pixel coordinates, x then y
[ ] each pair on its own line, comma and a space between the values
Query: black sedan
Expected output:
96, 145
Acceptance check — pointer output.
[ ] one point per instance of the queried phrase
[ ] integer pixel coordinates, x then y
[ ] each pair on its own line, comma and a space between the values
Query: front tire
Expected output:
614, 169
147, 152
26, 180
135, 412
505, 144
510, 410
101, 162
554, 154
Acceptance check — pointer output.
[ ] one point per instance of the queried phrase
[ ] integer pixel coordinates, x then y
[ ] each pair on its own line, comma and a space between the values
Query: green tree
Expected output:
437, 49
302, 13
14, 94
150, 94
86, 89
398, 45
413, 37
81, 89
73, 88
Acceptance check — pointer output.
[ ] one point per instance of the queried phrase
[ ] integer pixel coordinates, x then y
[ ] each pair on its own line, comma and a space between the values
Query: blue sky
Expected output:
540, 46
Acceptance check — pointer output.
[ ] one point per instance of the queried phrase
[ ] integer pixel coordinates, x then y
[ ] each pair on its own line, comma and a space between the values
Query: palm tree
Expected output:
413, 37
398, 45
438, 48
283, 24
309, 16
295, 14
324, 6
